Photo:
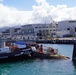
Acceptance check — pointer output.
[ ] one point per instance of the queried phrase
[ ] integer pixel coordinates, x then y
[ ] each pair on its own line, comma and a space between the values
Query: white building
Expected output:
39, 30
67, 27
46, 30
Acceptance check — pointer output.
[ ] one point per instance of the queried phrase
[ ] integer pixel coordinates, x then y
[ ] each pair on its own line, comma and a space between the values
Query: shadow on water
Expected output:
74, 64
27, 60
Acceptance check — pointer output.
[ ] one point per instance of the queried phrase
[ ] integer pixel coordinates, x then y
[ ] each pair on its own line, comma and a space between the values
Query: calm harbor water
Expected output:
42, 67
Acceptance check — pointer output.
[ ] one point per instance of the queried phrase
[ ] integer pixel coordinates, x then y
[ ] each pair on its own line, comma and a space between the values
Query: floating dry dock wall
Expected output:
74, 53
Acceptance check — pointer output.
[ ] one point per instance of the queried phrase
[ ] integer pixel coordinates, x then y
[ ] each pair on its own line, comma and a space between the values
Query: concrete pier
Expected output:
57, 41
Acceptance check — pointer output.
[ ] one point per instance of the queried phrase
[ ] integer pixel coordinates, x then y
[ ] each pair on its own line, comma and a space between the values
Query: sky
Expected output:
21, 12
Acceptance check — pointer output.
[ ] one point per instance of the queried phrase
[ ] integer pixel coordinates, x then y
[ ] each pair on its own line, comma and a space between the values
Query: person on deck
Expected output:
52, 51
37, 47
41, 49
55, 51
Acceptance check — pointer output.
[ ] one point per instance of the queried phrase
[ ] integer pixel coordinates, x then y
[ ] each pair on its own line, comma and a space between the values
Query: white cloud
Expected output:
10, 16
40, 14
44, 12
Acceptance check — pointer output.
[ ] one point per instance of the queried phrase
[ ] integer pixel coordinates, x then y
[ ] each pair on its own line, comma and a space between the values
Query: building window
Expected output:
68, 28
36, 27
53, 26
53, 29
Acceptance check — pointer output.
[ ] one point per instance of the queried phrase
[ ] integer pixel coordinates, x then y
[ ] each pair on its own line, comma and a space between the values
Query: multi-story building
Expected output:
40, 30
66, 28
13, 33
46, 30
27, 31
17, 34
6, 34
31, 31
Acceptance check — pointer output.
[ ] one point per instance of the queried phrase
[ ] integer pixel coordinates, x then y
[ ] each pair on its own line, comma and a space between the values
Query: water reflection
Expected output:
74, 65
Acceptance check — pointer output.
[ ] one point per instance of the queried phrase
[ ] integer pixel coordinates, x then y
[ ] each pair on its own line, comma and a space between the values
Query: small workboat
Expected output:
47, 55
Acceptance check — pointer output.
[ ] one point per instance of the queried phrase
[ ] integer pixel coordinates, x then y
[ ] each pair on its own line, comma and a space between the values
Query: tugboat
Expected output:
15, 51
